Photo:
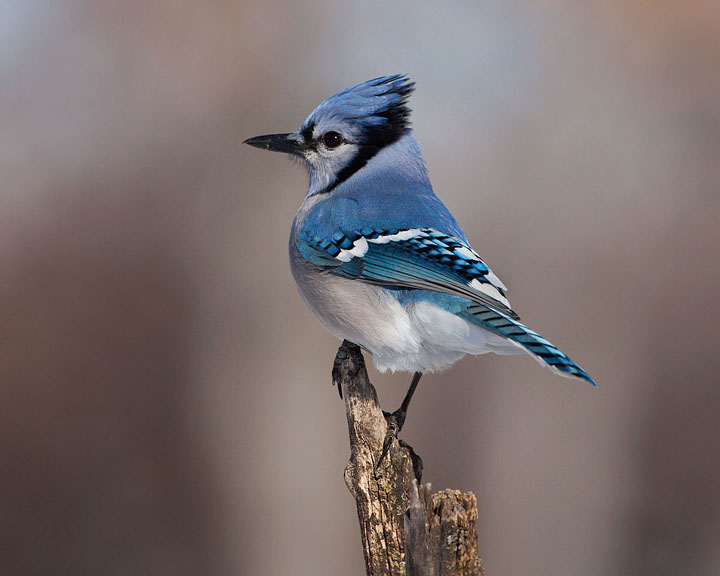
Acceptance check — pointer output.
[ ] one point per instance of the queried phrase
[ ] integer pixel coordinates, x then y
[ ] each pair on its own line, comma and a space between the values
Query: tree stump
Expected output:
405, 531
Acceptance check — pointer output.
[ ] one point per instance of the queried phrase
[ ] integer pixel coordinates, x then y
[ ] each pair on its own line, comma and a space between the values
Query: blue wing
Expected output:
418, 258
426, 259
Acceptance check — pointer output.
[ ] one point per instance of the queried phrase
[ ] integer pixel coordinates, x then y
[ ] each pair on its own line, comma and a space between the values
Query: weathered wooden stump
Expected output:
405, 530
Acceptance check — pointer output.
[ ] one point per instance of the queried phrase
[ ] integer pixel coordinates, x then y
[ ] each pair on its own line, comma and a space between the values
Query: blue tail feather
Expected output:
533, 342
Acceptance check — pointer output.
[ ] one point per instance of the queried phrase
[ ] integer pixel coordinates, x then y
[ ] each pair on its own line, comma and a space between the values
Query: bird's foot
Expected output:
395, 421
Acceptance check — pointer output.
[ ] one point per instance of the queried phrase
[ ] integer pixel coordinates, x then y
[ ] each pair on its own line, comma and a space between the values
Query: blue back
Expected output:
393, 192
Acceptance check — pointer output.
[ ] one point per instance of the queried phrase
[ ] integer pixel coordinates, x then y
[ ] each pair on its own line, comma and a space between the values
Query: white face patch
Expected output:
359, 249
325, 164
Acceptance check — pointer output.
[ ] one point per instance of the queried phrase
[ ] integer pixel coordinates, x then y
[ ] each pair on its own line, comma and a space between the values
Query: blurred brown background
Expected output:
165, 399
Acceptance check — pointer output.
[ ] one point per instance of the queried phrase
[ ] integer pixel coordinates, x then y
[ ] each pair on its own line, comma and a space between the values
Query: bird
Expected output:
376, 255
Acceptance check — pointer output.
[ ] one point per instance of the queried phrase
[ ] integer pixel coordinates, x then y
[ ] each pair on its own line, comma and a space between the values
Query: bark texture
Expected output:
441, 533
404, 529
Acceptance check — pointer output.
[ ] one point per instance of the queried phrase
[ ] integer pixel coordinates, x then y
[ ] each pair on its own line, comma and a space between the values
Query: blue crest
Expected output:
377, 107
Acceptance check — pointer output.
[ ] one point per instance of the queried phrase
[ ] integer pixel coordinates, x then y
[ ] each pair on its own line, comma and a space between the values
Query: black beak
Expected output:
288, 143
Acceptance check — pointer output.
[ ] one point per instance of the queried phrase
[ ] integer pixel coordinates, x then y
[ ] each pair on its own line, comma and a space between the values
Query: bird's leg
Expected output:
396, 420
346, 348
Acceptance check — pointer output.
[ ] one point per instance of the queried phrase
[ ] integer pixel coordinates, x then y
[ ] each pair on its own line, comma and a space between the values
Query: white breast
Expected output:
418, 337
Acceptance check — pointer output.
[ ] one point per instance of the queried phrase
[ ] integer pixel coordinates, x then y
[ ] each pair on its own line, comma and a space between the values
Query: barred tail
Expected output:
538, 347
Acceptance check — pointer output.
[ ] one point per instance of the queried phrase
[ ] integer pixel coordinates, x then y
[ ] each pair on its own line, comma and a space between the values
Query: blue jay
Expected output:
376, 255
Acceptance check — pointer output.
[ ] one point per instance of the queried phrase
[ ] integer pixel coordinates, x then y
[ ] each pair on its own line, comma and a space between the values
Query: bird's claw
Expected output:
395, 421
339, 359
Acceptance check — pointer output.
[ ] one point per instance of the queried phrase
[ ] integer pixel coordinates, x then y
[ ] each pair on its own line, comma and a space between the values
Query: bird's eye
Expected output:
332, 139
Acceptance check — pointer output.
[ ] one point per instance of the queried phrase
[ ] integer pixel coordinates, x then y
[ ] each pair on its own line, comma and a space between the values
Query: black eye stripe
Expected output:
307, 132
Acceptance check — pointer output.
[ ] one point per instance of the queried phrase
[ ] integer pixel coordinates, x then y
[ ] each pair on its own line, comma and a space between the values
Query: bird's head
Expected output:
345, 131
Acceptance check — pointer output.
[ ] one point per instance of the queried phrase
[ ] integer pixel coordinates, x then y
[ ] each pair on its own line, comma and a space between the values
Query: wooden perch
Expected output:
405, 530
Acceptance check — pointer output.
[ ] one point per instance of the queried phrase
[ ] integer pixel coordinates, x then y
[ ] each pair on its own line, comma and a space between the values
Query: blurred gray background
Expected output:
165, 398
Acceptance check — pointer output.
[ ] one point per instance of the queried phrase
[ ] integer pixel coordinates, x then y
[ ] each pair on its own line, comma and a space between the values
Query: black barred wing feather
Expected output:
418, 258
538, 346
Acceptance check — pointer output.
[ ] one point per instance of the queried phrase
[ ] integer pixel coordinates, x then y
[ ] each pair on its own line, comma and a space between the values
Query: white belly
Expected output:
416, 337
